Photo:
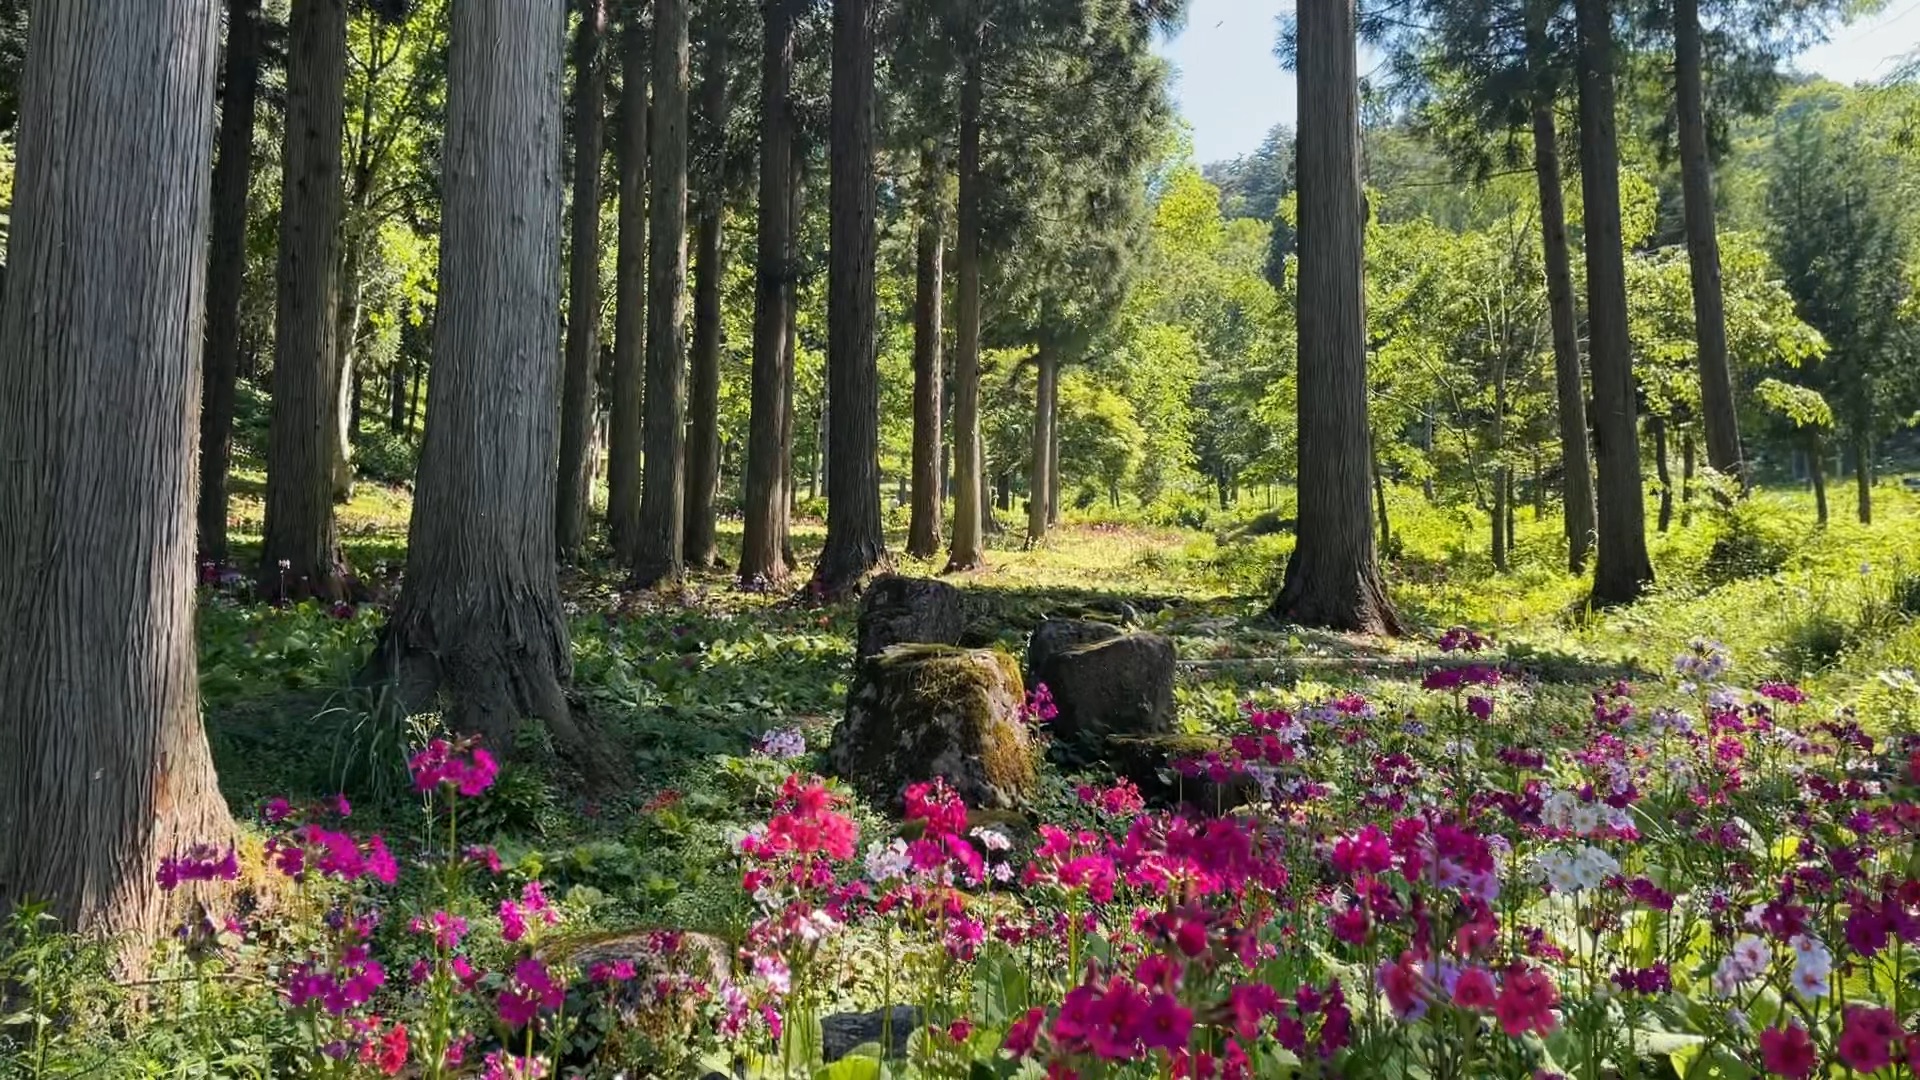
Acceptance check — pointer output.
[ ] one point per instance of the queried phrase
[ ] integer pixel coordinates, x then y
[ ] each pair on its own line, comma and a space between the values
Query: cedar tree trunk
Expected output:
709, 273
630, 300
583, 281
658, 556
104, 768
1622, 569
1333, 576
764, 494
300, 551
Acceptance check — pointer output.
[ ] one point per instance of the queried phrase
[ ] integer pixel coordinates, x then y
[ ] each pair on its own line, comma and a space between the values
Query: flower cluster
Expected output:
464, 767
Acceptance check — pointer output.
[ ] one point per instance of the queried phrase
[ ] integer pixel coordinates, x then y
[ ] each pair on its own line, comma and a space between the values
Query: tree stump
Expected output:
915, 712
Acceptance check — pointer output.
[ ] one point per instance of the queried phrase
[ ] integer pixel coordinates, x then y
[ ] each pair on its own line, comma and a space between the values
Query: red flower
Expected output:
1788, 1052
393, 1051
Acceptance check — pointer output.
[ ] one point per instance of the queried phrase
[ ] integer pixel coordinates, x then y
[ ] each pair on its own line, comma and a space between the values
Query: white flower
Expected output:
1002, 873
1593, 867
1811, 983
815, 926
1585, 819
992, 839
783, 744
1752, 955
887, 861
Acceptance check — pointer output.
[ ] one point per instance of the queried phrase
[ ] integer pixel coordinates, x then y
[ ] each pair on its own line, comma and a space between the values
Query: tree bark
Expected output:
1622, 570
969, 493
1817, 466
765, 494
1661, 472
1863, 478
104, 766
583, 281
1053, 463
709, 272
924, 524
1333, 576
1686, 477
1380, 496
1040, 474
226, 272
1717, 413
856, 543
346, 407
478, 623
300, 550
796, 213
659, 555
1502, 540
630, 298
1576, 459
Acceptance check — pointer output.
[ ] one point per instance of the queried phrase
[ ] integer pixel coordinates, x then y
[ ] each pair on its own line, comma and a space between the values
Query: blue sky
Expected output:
1231, 89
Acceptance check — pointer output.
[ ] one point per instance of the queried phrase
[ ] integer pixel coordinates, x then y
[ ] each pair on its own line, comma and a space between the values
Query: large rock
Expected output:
843, 1033
1117, 684
1056, 636
904, 610
915, 712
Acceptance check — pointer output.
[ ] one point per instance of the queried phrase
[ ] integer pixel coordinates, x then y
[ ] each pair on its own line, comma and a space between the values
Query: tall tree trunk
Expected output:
1817, 466
1501, 538
1661, 474
856, 542
1686, 477
630, 298
969, 493
1717, 413
1622, 569
478, 622
346, 408
924, 525
1333, 576
1863, 478
765, 495
659, 554
104, 767
1569, 389
583, 280
397, 379
300, 551
709, 273
1053, 462
796, 213
413, 392
1039, 476
1379, 495
226, 272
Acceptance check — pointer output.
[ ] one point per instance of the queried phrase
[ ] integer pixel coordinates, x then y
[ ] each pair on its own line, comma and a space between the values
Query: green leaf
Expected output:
850, 1068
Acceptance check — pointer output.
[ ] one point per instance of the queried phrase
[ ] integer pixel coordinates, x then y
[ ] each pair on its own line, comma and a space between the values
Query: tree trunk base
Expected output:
490, 684
845, 574
1319, 600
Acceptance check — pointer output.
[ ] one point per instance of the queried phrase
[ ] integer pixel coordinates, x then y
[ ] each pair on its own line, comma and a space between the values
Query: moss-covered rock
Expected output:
915, 712
905, 610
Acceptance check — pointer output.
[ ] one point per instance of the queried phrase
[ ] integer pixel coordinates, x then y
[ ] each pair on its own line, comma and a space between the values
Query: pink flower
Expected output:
1350, 925
1400, 981
1526, 1002
201, 863
1023, 1033
1866, 1038
513, 921
1474, 989
531, 990
1166, 1025
1788, 1052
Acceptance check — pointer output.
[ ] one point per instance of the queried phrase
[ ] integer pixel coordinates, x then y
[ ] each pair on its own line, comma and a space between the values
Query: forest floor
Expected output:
686, 686
685, 680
